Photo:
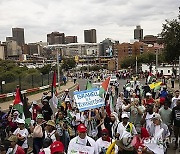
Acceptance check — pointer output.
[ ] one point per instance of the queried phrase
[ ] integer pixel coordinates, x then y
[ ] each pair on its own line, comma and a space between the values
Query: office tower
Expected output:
56, 38
138, 33
90, 36
18, 34
71, 39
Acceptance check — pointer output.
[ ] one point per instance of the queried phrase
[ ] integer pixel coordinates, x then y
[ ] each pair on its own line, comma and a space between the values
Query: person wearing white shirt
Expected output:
175, 98
104, 142
22, 134
82, 143
119, 103
125, 126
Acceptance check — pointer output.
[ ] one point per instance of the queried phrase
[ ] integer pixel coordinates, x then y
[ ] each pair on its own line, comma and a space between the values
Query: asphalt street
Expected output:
82, 84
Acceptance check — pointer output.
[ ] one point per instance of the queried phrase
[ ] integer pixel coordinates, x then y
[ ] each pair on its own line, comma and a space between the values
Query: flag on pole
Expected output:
104, 87
155, 85
88, 85
18, 101
54, 98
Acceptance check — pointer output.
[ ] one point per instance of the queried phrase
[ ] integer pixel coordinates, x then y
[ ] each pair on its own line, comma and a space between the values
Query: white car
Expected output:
113, 79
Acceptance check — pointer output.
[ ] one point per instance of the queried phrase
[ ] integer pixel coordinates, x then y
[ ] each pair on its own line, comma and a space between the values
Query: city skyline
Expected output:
114, 19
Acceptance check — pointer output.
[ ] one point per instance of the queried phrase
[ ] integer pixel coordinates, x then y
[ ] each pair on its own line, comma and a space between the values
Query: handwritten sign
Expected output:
88, 99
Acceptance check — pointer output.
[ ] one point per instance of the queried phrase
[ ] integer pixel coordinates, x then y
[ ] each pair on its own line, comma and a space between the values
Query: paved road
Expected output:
82, 83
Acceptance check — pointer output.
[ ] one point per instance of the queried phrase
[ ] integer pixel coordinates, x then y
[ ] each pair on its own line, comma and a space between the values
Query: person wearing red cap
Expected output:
82, 143
57, 148
104, 142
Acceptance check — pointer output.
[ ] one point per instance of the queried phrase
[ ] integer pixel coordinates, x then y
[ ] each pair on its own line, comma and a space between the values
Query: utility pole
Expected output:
136, 66
179, 72
57, 56
156, 59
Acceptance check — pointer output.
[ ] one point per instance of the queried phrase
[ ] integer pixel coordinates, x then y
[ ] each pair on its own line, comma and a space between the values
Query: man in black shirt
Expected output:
176, 122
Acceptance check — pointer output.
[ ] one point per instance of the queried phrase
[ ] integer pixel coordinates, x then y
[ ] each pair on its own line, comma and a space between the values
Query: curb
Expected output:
60, 92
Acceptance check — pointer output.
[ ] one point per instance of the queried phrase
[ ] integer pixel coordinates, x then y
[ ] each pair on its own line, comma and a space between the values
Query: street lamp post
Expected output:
57, 56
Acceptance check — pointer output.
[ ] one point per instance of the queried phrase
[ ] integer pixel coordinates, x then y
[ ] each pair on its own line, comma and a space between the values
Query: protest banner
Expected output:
88, 99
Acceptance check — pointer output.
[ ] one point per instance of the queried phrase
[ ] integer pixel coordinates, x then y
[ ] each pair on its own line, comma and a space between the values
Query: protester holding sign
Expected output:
82, 143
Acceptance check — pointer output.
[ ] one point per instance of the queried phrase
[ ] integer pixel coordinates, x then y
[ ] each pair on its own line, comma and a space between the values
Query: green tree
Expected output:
171, 37
46, 69
68, 63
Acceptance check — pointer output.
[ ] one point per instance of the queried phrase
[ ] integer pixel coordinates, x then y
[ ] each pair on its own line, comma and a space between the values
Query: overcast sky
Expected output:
114, 19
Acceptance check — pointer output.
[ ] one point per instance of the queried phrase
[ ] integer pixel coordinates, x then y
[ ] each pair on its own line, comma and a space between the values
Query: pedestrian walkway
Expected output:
37, 97
176, 86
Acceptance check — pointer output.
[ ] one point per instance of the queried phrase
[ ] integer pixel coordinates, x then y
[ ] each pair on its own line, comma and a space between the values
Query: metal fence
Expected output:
27, 82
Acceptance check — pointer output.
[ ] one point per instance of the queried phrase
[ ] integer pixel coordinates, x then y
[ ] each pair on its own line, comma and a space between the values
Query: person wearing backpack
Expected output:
38, 132
50, 132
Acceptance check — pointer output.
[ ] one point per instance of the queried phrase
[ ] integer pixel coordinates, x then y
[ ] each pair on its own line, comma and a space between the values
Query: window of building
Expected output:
168, 71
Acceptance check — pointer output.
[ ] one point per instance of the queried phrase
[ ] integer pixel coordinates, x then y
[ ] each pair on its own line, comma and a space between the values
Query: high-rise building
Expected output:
56, 38
18, 34
90, 36
71, 39
138, 33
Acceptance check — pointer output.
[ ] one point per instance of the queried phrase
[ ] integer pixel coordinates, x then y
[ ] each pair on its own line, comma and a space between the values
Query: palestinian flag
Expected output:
104, 87
88, 85
150, 78
54, 98
18, 101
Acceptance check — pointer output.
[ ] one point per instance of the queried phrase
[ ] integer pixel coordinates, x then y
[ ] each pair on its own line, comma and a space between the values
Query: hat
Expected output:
34, 102
81, 128
20, 121
148, 94
124, 115
57, 146
67, 90
40, 116
51, 123
125, 142
105, 131
45, 100
15, 113
157, 116
13, 138
162, 100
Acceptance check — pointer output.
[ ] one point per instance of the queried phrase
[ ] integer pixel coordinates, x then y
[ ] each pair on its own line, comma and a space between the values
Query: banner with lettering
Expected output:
88, 99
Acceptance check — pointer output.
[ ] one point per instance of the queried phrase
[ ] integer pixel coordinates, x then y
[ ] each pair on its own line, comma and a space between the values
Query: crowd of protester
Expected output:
127, 124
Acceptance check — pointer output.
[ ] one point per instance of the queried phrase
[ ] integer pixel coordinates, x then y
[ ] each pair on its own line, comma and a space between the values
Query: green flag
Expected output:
88, 85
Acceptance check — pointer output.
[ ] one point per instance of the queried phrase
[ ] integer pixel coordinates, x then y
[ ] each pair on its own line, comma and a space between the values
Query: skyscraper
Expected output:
138, 33
71, 39
56, 38
90, 36
18, 34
